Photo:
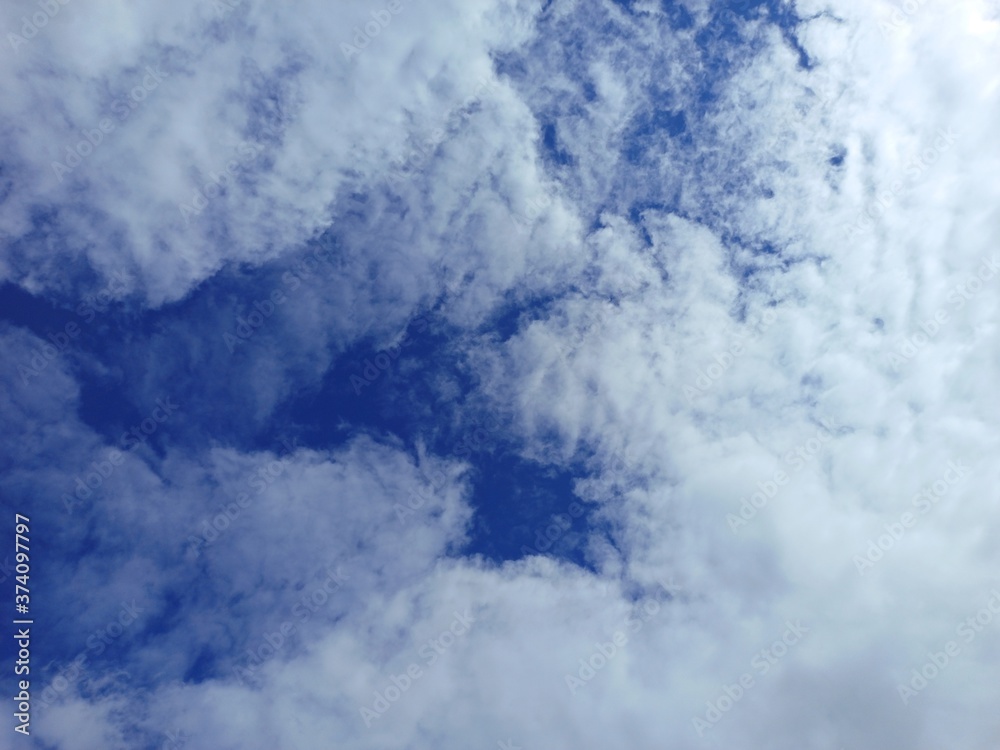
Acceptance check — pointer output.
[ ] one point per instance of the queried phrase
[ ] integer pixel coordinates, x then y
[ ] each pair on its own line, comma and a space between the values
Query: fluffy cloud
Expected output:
192, 136
753, 262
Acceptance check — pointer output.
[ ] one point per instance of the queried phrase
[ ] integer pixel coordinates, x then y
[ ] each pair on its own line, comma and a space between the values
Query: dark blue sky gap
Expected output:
426, 393
514, 498
407, 400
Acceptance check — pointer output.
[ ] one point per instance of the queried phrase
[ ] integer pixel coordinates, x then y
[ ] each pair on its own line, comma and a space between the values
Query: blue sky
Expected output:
579, 373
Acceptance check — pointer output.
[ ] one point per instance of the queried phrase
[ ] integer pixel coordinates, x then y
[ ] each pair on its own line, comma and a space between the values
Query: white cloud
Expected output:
585, 376
223, 79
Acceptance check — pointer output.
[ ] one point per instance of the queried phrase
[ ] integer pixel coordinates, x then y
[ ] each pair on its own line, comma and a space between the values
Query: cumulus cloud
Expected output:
751, 258
211, 134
